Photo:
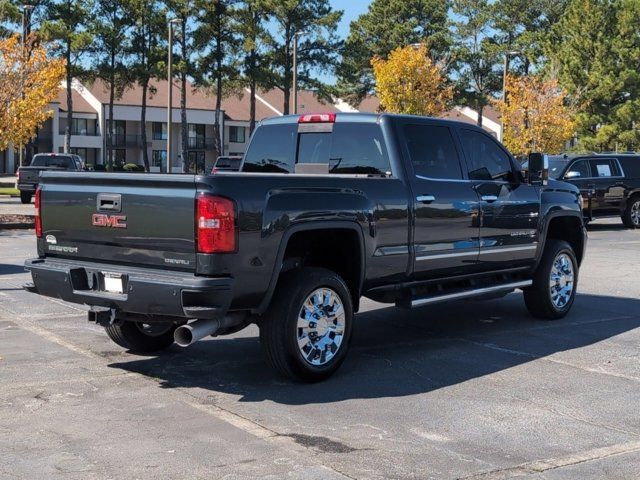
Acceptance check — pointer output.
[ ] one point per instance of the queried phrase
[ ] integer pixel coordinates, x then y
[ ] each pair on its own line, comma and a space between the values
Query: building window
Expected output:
82, 152
237, 134
159, 131
159, 159
78, 126
196, 136
196, 162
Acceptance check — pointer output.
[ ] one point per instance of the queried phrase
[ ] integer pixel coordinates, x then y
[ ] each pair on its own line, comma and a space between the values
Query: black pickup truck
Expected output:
327, 209
27, 178
609, 183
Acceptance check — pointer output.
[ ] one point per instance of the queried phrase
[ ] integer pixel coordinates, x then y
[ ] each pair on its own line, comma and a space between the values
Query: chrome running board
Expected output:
418, 302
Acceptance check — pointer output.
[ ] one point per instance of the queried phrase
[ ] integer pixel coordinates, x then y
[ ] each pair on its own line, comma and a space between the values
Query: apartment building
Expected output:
91, 140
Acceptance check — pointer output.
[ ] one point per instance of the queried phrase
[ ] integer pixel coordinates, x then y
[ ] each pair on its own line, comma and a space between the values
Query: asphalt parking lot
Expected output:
472, 390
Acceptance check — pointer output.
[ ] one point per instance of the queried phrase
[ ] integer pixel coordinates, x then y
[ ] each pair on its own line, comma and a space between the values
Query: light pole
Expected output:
26, 23
295, 71
172, 22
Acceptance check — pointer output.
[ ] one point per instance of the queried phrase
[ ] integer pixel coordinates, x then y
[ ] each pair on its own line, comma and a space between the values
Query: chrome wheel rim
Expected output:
321, 326
153, 329
561, 282
635, 213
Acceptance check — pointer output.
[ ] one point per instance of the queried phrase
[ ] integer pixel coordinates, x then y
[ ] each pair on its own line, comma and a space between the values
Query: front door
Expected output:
510, 208
445, 205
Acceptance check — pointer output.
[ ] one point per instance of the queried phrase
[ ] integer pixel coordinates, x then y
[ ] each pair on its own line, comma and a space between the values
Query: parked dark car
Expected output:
609, 183
328, 208
27, 177
227, 164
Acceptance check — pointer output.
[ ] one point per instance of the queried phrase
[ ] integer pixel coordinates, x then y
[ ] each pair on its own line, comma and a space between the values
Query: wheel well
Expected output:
568, 229
337, 249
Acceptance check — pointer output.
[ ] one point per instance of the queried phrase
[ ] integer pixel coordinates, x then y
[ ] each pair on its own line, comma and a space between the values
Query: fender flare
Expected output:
315, 225
547, 221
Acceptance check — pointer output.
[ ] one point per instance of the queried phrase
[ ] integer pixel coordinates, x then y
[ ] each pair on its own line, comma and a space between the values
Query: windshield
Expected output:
51, 161
556, 167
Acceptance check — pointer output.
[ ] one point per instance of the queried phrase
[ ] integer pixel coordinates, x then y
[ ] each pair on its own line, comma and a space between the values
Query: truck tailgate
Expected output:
141, 219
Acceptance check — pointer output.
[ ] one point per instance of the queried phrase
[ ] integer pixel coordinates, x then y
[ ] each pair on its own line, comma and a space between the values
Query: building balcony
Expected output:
198, 143
124, 141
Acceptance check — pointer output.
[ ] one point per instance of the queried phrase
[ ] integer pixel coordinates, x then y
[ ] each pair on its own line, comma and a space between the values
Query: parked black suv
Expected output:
609, 184
327, 209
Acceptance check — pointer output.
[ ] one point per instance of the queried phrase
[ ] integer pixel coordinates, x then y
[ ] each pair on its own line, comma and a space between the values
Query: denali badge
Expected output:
109, 221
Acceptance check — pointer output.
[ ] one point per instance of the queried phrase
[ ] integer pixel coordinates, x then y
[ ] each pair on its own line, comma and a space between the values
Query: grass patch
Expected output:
9, 191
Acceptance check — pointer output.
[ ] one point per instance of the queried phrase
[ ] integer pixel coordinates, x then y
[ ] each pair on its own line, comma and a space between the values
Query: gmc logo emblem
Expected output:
109, 221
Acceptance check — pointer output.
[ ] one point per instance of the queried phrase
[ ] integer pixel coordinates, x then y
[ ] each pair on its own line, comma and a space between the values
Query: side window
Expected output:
272, 149
485, 159
351, 148
432, 151
604, 168
358, 148
581, 167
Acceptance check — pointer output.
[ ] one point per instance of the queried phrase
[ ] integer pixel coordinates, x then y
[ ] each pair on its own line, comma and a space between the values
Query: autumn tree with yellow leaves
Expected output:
29, 81
410, 82
536, 116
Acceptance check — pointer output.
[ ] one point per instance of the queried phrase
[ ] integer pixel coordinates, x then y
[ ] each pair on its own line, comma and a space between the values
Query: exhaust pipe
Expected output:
186, 335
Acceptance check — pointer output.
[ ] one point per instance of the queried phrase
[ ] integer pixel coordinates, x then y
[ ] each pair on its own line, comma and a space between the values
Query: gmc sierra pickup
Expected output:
325, 210
27, 177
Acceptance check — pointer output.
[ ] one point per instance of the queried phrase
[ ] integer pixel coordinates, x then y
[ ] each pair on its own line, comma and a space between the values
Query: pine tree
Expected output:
475, 55
147, 54
317, 23
66, 25
387, 25
110, 27
217, 46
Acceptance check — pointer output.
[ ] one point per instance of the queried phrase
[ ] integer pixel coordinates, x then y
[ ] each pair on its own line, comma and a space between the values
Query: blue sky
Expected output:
352, 9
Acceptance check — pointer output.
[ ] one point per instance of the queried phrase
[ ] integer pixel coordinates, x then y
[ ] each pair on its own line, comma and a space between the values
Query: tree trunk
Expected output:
252, 106
67, 132
216, 124
183, 101
480, 116
143, 122
111, 102
287, 71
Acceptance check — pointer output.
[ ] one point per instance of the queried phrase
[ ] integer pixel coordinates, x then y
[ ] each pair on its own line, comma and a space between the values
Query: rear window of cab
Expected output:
342, 148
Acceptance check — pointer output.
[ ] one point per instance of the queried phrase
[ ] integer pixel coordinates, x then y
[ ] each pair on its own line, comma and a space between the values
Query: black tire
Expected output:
25, 197
631, 214
279, 328
141, 338
538, 297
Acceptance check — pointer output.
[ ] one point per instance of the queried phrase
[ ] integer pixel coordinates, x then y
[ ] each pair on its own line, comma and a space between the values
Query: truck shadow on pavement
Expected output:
9, 269
397, 353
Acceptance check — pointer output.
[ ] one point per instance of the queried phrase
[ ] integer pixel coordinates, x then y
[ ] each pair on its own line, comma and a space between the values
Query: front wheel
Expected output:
142, 337
554, 282
25, 197
631, 214
306, 331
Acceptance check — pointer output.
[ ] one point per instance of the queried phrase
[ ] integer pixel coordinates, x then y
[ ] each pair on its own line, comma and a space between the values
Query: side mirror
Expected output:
572, 174
538, 169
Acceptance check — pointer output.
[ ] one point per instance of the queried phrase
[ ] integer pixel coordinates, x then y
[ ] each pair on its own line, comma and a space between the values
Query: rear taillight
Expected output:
38, 202
215, 224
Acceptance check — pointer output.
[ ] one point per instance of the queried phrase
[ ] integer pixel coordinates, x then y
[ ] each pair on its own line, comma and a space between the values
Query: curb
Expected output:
17, 222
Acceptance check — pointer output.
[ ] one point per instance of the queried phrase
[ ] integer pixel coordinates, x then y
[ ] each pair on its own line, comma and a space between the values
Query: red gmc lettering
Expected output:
109, 221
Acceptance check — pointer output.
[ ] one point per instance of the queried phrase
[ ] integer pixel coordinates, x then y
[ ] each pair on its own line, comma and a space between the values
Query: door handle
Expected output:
426, 198
489, 198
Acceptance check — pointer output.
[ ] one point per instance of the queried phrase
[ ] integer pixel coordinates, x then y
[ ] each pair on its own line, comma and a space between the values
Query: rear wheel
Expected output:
142, 337
631, 215
554, 283
306, 331
25, 197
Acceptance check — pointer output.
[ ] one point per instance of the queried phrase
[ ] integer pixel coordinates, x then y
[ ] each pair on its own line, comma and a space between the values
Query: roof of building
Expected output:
80, 105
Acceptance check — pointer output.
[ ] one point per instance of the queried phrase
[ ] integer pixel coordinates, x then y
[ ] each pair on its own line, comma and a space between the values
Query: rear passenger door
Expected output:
510, 207
607, 186
445, 205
